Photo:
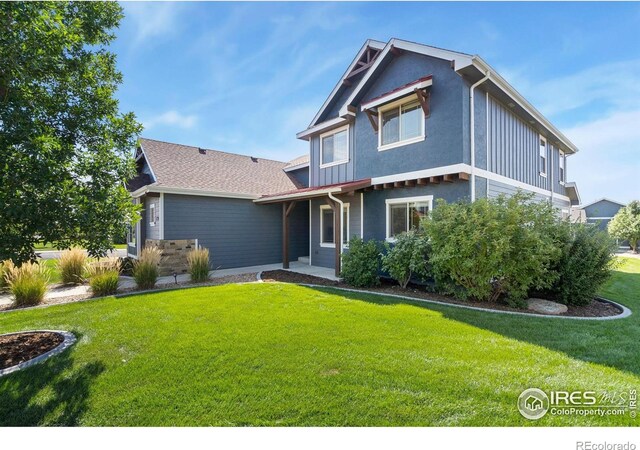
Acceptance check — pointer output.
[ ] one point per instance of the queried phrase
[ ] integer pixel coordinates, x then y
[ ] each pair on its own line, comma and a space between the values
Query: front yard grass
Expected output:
277, 354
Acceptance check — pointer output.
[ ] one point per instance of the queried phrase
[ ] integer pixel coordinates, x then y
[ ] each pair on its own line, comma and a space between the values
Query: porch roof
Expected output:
311, 192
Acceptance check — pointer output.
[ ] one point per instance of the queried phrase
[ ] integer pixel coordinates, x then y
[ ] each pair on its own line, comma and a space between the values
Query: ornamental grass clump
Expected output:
28, 283
6, 267
72, 265
198, 260
104, 276
145, 269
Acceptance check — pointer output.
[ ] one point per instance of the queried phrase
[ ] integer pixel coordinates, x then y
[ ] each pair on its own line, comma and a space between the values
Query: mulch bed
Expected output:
596, 308
19, 348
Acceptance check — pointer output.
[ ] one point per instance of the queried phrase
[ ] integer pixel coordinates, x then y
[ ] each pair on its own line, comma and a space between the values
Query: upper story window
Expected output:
402, 123
543, 156
561, 175
404, 214
327, 223
334, 147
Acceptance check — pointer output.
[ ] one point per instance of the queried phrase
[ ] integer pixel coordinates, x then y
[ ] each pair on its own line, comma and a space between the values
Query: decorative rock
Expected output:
545, 306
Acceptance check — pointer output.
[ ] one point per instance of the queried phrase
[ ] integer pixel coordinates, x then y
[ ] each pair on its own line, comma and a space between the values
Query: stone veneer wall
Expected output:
174, 254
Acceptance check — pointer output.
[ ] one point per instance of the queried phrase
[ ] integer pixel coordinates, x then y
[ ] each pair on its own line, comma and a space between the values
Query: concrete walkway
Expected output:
129, 283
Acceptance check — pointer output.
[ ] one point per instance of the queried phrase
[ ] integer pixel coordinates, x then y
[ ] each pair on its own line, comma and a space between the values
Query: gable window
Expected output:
402, 123
327, 232
562, 163
404, 214
334, 147
543, 156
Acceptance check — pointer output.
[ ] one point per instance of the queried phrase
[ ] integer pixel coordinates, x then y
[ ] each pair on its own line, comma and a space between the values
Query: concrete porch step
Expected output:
303, 259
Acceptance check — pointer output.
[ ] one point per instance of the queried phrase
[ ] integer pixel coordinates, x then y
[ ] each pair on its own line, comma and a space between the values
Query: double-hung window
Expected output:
543, 156
152, 214
405, 214
401, 123
327, 226
334, 147
561, 175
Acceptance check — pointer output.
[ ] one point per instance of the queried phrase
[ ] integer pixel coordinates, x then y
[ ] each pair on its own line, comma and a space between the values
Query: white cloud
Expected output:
608, 164
152, 19
171, 118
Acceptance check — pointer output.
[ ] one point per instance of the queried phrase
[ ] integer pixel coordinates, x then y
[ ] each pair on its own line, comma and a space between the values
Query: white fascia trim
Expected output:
454, 168
599, 200
152, 188
369, 43
395, 95
599, 218
522, 102
460, 61
153, 174
296, 167
324, 126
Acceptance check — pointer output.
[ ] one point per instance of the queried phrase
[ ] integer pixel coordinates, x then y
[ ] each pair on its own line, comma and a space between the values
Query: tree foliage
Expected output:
64, 146
626, 224
493, 247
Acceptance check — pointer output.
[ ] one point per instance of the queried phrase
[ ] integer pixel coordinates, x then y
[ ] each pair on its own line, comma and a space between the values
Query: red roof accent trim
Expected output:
399, 88
337, 187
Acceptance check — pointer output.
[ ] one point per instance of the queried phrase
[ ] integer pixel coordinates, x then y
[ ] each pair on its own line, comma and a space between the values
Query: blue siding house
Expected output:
601, 211
405, 124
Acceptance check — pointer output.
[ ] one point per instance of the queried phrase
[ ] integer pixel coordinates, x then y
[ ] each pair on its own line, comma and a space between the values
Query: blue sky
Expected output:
245, 77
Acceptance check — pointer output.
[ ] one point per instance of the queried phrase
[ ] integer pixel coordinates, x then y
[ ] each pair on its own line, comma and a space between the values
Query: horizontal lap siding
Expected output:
495, 188
237, 232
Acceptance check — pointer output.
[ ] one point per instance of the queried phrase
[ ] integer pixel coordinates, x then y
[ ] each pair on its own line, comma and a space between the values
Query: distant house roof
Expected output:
186, 168
298, 163
603, 199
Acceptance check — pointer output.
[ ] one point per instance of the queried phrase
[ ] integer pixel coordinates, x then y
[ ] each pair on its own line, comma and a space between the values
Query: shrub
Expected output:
584, 264
72, 265
493, 247
28, 283
104, 276
361, 264
145, 269
626, 224
198, 260
6, 267
408, 256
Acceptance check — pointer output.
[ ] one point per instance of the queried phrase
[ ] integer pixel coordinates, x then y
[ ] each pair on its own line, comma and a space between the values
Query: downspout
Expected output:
472, 133
341, 203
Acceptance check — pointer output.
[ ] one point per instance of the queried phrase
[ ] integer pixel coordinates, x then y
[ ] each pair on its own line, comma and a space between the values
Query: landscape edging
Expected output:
69, 340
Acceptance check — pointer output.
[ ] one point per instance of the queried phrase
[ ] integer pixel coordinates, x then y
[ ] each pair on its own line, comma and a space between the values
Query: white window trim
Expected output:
403, 200
562, 164
152, 215
344, 227
398, 105
545, 156
329, 133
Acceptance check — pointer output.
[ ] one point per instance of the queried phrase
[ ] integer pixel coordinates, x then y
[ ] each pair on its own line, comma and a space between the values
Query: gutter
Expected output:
341, 203
472, 133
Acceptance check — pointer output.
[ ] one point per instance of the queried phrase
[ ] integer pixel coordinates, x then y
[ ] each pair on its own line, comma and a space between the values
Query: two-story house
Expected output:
406, 124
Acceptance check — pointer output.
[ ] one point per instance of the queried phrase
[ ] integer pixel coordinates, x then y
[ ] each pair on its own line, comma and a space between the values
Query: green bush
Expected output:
28, 284
626, 224
145, 269
198, 260
408, 257
493, 248
72, 265
584, 264
6, 268
360, 265
104, 276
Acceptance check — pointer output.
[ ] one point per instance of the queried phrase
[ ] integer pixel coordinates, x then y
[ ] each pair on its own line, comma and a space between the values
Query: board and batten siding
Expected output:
325, 256
514, 149
340, 173
237, 232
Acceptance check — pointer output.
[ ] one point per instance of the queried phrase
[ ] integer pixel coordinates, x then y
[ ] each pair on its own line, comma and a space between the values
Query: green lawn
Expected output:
276, 354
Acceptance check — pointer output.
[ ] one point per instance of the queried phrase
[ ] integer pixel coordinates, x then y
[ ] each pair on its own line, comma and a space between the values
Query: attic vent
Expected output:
202, 151
254, 159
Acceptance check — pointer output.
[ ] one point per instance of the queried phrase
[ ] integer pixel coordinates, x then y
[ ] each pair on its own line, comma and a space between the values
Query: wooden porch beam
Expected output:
285, 235
373, 120
337, 237
423, 98
290, 208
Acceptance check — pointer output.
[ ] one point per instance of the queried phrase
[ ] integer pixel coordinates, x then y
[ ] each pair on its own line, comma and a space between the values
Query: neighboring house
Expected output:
601, 211
405, 125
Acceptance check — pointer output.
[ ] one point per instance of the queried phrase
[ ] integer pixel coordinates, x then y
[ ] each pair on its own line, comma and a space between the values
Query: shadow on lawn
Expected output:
612, 343
51, 393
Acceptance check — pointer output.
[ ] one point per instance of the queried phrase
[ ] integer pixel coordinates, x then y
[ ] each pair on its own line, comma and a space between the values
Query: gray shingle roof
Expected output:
185, 167
300, 160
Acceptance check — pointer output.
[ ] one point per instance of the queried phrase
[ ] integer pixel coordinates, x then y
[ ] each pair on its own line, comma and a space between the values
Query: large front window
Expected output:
402, 123
334, 147
327, 226
406, 214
